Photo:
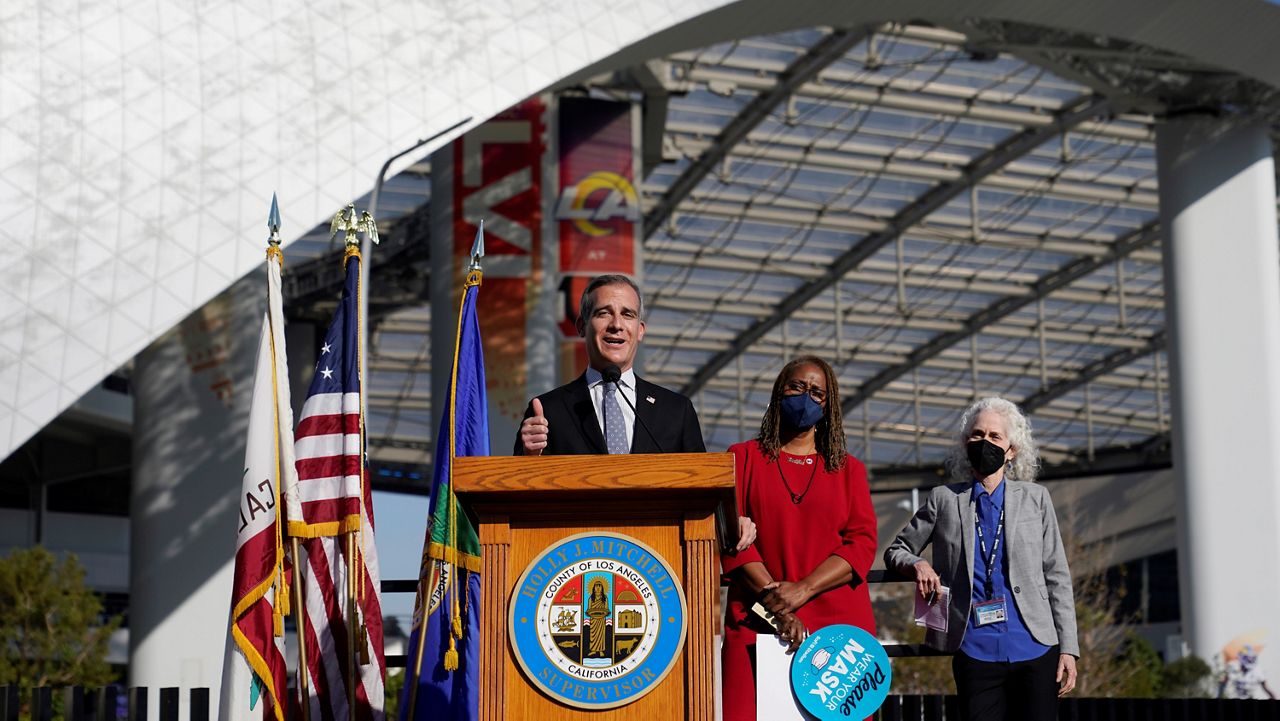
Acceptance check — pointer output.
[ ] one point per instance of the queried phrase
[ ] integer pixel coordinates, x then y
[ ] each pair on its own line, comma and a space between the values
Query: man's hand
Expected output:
927, 580
1066, 674
791, 629
784, 597
534, 430
746, 533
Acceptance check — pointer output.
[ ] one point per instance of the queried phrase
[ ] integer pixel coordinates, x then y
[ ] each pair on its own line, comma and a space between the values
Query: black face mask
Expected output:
985, 457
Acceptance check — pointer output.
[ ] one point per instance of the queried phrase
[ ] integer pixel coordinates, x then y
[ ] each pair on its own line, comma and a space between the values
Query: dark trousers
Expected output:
999, 691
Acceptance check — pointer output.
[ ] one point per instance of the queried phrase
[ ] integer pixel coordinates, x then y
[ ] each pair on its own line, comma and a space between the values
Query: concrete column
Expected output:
1222, 290
191, 404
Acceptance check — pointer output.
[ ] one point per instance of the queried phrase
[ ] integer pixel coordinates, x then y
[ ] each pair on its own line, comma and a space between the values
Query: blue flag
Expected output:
442, 682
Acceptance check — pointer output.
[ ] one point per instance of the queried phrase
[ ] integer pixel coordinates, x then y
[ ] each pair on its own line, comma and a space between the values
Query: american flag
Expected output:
331, 504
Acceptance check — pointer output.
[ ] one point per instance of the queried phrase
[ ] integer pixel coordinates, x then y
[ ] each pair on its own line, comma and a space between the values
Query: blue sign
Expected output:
840, 672
598, 620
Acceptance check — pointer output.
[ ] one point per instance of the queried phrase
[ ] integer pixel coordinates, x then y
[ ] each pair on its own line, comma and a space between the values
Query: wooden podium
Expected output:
676, 504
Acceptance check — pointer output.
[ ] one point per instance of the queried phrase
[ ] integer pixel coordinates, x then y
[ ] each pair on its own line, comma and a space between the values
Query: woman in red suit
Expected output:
816, 528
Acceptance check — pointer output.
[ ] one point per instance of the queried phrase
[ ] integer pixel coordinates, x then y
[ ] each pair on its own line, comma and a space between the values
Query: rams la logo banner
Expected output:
614, 198
597, 620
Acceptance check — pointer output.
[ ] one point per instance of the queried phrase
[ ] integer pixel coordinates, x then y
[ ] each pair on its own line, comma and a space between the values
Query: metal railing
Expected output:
946, 708
895, 650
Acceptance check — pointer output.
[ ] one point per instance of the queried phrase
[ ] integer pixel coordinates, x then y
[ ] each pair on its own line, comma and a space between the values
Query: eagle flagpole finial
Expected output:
369, 226
346, 222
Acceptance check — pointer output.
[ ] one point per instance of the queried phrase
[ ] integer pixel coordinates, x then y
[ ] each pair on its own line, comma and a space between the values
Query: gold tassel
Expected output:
282, 596
451, 656
457, 626
280, 608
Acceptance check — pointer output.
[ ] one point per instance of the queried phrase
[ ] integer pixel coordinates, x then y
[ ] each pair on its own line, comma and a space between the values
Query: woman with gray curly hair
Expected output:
1000, 565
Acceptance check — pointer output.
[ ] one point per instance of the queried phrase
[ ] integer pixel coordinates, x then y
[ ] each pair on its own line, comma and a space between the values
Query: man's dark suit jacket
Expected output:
574, 430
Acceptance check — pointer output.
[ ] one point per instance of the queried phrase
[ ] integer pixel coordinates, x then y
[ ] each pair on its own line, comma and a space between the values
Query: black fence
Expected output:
109, 703
114, 704
944, 708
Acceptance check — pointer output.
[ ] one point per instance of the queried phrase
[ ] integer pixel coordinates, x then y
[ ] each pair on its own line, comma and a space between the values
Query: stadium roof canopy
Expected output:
942, 212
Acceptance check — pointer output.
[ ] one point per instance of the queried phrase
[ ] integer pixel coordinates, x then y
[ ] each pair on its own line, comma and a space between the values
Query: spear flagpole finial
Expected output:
273, 222
477, 248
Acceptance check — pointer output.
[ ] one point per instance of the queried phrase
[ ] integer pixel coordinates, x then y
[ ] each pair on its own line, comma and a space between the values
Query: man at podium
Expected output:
608, 409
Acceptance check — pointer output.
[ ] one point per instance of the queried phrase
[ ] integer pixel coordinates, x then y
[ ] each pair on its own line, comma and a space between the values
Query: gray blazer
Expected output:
1038, 572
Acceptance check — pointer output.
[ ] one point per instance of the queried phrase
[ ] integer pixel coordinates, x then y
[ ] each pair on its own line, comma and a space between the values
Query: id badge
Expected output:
989, 612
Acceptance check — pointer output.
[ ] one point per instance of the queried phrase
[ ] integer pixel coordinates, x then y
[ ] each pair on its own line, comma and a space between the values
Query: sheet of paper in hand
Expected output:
774, 700
763, 614
934, 615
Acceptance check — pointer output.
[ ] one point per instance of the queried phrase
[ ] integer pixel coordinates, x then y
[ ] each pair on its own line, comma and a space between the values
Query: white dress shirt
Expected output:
595, 383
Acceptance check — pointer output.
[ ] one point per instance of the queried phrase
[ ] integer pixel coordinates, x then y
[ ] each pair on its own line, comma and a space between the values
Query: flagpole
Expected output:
354, 568
477, 252
353, 620
366, 252
304, 683
273, 240
417, 663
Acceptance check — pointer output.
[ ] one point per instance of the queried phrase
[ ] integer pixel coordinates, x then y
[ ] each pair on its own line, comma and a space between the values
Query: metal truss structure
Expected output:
941, 213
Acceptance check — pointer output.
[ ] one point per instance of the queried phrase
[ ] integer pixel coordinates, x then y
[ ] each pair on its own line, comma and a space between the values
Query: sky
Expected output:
401, 522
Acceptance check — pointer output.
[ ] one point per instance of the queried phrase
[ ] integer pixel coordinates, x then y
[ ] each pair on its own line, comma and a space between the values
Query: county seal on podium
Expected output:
597, 620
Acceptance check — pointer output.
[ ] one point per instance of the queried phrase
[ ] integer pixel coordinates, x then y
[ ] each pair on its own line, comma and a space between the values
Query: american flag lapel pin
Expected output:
650, 399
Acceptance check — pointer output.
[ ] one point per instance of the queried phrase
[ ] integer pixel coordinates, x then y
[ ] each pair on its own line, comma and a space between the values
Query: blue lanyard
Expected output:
982, 545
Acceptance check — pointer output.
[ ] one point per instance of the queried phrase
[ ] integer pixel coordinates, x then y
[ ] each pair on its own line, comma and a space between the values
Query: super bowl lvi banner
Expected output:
493, 173
597, 620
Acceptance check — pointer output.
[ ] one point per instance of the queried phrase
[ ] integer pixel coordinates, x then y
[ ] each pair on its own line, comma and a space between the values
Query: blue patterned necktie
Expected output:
615, 430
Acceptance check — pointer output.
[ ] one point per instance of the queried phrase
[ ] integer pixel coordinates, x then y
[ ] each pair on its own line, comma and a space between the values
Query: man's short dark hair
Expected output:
587, 305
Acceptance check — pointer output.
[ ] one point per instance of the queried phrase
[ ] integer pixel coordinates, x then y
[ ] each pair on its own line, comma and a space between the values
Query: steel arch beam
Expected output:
1060, 278
828, 50
1092, 371
1083, 109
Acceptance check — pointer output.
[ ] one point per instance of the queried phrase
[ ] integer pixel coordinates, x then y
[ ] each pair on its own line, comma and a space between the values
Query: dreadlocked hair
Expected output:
828, 434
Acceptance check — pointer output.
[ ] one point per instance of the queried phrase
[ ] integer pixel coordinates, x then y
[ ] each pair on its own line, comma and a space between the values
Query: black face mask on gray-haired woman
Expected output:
985, 457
